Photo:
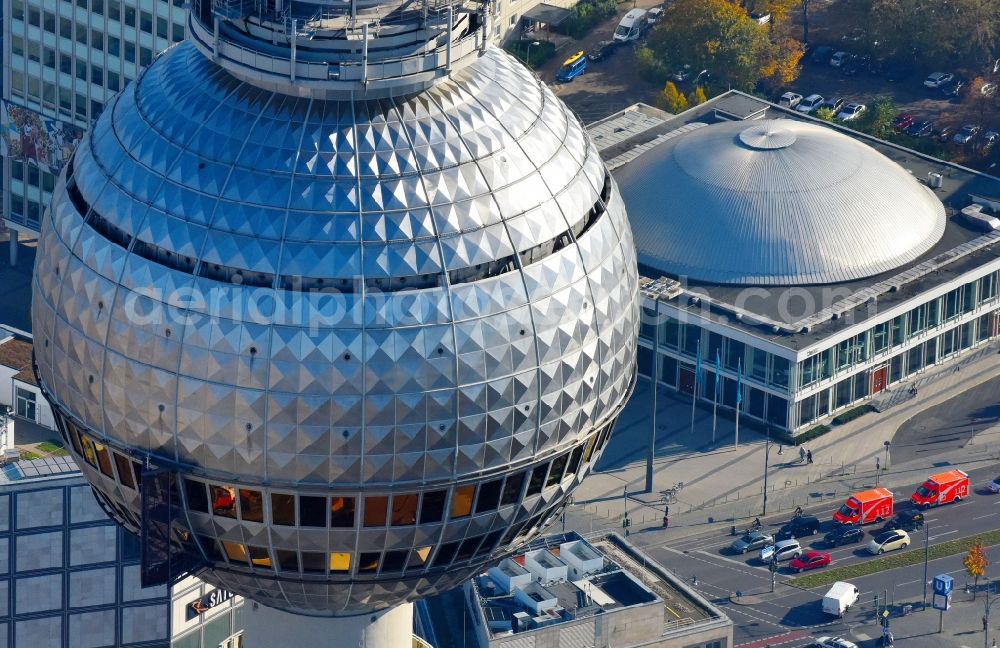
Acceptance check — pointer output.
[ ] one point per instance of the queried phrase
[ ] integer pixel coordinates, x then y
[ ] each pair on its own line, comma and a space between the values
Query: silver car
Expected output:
751, 540
781, 550
994, 485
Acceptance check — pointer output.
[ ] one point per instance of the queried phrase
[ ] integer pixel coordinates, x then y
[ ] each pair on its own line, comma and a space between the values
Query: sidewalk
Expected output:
723, 484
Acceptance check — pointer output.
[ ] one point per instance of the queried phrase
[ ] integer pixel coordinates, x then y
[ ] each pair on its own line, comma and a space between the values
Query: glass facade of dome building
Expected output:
801, 310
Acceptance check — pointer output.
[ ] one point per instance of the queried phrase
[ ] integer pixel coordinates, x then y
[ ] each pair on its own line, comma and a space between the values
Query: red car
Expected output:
810, 560
902, 121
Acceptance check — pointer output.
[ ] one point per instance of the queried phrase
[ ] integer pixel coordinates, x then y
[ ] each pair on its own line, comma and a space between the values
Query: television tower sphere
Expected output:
354, 283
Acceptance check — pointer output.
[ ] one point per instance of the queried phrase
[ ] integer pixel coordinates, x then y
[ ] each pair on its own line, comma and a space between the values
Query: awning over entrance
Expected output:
548, 14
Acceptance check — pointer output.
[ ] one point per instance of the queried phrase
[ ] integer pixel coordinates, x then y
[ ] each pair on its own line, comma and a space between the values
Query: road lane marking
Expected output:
941, 535
984, 516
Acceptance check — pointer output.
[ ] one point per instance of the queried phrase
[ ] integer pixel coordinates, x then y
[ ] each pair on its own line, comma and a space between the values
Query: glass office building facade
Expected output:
62, 61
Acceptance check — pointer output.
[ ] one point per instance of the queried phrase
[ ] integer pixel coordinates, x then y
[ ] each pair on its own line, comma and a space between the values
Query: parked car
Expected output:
994, 486
852, 65
833, 103
809, 104
682, 74
782, 550
790, 100
907, 520
838, 58
844, 534
760, 18
920, 128
834, 642
945, 133
822, 54
987, 141
654, 15
966, 134
889, 540
902, 121
851, 112
810, 560
938, 79
798, 527
953, 88
751, 540
988, 89
703, 77
603, 50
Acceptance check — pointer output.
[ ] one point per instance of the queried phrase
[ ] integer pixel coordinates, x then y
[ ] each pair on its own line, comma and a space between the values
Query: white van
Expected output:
840, 598
631, 26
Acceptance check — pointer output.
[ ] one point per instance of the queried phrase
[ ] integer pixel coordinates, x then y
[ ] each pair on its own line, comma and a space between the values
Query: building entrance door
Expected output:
687, 380
879, 379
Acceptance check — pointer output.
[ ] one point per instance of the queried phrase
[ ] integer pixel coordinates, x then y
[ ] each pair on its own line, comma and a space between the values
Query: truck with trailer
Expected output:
942, 488
866, 507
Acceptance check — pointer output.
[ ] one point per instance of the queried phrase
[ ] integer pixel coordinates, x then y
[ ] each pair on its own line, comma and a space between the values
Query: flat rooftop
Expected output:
797, 317
624, 582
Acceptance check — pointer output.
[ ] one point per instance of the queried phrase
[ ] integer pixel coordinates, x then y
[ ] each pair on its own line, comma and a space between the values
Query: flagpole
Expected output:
739, 399
715, 396
694, 392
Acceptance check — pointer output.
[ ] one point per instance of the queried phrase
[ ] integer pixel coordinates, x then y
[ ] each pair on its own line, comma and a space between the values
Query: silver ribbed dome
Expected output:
369, 308
774, 203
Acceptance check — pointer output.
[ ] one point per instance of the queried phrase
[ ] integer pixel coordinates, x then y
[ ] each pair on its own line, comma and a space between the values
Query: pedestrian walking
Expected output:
809, 456
802, 454
781, 449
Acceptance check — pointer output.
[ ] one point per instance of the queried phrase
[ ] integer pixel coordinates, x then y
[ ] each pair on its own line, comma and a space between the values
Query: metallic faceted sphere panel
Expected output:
338, 299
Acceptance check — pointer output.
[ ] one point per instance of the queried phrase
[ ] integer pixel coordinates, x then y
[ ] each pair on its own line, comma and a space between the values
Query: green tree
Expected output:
878, 118
697, 97
649, 66
671, 99
825, 113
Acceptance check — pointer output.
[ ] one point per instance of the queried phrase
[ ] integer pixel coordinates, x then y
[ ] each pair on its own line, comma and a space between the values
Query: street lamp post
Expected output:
767, 453
885, 464
878, 469
927, 541
986, 617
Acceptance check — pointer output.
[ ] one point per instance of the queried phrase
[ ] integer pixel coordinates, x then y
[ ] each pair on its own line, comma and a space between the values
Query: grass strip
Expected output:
912, 557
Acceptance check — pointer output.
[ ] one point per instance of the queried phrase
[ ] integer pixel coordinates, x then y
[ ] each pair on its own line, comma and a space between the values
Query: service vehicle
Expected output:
751, 540
783, 550
790, 99
809, 104
572, 67
810, 560
844, 534
631, 26
887, 541
839, 598
865, 507
797, 527
942, 488
834, 642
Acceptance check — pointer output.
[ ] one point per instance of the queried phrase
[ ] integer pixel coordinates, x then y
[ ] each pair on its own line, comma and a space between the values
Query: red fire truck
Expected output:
872, 505
950, 486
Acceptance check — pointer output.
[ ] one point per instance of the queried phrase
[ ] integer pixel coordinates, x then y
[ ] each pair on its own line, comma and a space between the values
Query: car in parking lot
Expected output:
966, 134
834, 642
888, 540
682, 74
988, 89
798, 527
603, 50
844, 534
987, 141
751, 540
851, 112
838, 58
833, 103
810, 560
953, 88
944, 134
938, 79
822, 54
790, 99
902, 121
994, 486
809, 104
853, 64
781, 550
920, 128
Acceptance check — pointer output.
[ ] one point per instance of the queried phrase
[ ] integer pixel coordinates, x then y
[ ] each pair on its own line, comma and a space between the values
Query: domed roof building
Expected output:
809, 267
777, 202
335, 322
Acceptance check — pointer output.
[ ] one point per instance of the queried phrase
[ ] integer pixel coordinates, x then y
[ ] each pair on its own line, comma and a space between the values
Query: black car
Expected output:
908, 520
851, 65
953, 88
844, 534
821, 55
920, 129
603, 50
797, 527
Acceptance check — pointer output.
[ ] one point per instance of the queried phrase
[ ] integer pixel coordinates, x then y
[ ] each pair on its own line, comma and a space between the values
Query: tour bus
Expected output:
572, 67
631, 26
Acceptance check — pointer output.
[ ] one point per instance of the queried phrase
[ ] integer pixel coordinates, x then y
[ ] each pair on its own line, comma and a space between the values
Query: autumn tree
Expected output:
697, 97
671, 99
976, 563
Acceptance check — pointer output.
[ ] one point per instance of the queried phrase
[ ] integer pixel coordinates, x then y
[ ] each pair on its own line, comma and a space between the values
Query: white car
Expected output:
889, 540
838, 58
654, 15
809, 104
834, 642
790, 99
851, 112
781, 550
938, 79
994, 485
